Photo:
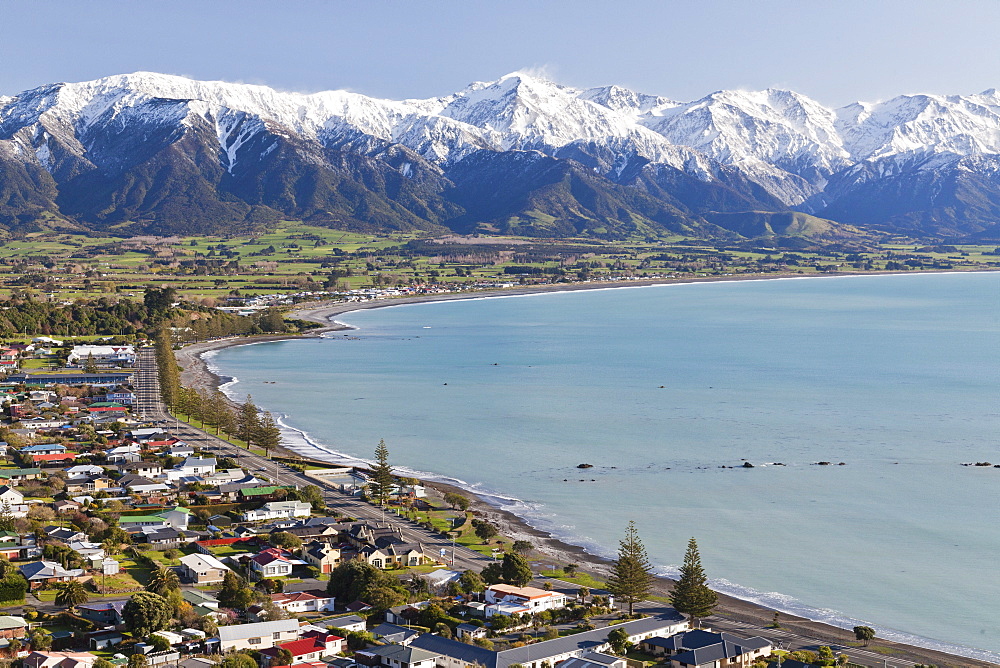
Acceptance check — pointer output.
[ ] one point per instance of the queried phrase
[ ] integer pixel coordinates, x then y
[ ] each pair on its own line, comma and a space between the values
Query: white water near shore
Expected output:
387, 379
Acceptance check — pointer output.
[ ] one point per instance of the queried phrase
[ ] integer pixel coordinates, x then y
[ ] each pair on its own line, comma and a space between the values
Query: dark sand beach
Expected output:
548, 549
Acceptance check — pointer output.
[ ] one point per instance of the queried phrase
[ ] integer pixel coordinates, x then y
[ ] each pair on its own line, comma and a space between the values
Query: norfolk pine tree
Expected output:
631, 576
382, 478
247, 421
691, 594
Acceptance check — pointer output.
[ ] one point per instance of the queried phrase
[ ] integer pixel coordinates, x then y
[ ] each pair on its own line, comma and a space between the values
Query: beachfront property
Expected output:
705, 649
456, 654
503, 599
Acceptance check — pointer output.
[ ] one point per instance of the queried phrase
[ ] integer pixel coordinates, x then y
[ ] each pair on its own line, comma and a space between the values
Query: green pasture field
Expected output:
297, 257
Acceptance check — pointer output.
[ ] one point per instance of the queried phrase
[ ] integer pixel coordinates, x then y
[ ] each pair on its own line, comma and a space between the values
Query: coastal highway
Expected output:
150, 407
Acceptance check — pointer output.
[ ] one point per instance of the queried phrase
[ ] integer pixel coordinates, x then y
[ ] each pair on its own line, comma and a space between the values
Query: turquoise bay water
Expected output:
896, 376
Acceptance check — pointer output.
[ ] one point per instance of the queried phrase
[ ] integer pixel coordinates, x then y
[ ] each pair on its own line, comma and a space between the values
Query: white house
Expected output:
506, 599
102, 355
275, 510
10, 496
274, 562
304, 601
192, 466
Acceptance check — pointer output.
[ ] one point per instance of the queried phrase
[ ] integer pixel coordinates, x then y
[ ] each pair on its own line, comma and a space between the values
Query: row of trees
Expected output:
632, 578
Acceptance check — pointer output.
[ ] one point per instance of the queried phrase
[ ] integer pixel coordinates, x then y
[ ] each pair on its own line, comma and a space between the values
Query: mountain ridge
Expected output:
155, 151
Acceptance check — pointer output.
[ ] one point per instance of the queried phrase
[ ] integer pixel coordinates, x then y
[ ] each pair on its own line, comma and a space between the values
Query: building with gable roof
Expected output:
258, 636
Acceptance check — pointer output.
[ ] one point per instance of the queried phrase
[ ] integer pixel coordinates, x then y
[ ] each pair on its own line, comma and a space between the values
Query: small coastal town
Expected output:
134, 538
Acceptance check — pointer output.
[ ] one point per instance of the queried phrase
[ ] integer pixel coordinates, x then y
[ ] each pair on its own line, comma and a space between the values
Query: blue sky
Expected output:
836, 51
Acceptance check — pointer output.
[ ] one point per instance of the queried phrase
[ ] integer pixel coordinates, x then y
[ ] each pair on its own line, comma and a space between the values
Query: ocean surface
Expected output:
667, 391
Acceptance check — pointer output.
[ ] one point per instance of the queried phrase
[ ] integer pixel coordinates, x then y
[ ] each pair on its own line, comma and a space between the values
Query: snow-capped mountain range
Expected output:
520, 154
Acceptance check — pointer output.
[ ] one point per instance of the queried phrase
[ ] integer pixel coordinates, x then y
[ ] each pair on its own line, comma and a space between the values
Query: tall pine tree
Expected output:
247, 421
268, 434
691, 594
382, 479
632, 575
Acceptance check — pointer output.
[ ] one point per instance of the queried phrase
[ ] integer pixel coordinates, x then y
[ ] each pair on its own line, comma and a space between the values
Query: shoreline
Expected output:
196, 373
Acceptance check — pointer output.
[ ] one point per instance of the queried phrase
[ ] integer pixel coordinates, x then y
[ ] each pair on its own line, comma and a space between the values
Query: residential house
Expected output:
363, 534
123, 454
507, 599
142, 468
13, 627
84, 469
10, 496
395, 554
321, 556
107, 613
391, 633
274, 562
41, 573
138, 522
137, 484
304, 601
16, 546
469, 632
181, 450
89, 483
258, 636
127, 398
20, 475
707, 649
311, 647
406, 614
8, 359
43, 449
53, 460
202, 568
92, 552
102, 356
59, 660
202, 602
64, 534
396, 656
457, 654
166, 538
102, 640
62, 507
192, 466
278, 509
348, 623
595, 660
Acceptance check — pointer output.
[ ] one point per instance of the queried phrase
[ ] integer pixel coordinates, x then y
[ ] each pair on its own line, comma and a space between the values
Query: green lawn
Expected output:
221, 551
579, 578
160, 558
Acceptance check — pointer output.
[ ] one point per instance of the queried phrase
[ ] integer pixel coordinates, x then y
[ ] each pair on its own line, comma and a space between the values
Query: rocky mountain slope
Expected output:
148, 152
